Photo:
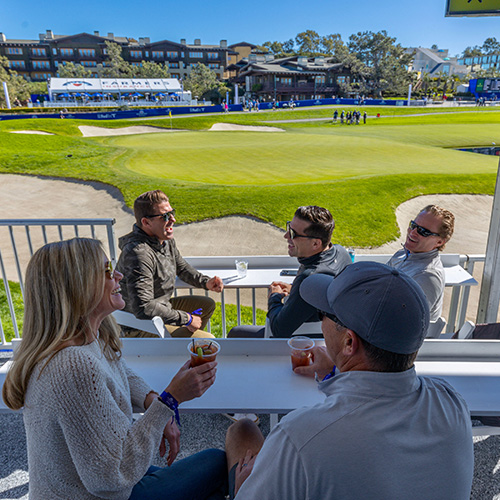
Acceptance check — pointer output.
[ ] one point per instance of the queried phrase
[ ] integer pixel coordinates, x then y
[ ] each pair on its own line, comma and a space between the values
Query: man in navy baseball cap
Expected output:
382, 431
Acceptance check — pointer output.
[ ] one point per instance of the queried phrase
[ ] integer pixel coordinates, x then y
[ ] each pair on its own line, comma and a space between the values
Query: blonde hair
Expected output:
64, 284
447, 220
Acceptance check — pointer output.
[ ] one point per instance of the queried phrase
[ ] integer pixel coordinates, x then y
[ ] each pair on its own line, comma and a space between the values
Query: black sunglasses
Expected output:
422, 231
323, 314
166, 216
293, 233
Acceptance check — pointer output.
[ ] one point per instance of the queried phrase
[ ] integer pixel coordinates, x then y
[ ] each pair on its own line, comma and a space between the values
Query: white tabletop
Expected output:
262, 278
255, 376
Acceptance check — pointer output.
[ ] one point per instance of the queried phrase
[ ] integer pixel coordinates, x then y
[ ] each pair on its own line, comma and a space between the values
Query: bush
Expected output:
17, 300
232, 319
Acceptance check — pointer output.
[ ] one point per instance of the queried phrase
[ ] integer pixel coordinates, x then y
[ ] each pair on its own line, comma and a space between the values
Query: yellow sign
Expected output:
472, 8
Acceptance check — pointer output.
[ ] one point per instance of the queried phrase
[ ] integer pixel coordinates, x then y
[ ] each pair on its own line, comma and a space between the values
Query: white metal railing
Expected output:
25, 236
457, 308
37, 232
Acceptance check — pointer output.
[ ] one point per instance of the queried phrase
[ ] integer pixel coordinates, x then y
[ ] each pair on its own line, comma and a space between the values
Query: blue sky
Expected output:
413, 23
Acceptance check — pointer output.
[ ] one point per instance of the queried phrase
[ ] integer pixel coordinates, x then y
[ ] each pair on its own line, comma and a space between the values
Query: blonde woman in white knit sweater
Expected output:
78, 394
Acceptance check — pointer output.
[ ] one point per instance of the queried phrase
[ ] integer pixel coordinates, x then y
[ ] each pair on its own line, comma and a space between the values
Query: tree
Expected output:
202, 82
331, 44
18, 87
150, 69
279, 49
308, 43
490, 46
72, 70
434, 46
115, 66
472, 52
386, 63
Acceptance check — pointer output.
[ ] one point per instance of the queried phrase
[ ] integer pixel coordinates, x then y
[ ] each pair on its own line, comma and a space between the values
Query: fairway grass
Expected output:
361, 173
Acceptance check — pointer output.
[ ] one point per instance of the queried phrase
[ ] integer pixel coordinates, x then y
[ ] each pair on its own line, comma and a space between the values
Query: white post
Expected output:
6, 92
409, 94
236, 96
489, 298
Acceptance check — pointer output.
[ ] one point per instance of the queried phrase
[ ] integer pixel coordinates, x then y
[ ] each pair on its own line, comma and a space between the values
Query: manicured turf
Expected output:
361, 173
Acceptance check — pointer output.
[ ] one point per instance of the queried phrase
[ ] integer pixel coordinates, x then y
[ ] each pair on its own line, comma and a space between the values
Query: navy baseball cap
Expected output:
380, 304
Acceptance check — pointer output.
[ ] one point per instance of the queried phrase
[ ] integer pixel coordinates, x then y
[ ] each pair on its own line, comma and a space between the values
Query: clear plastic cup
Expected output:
241, 267
202, 351
301, 351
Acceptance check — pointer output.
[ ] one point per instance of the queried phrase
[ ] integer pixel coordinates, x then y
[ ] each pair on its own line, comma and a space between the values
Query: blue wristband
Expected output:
330, 375
167, 399
190, 320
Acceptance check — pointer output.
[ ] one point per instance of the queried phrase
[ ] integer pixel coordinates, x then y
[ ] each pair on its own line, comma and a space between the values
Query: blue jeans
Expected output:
202, 476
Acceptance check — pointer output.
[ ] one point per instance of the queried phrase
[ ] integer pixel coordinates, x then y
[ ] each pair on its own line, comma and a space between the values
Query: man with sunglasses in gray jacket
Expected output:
150, 263
419, 258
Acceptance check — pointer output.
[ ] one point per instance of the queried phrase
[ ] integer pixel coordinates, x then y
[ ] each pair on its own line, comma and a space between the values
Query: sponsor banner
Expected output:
133, 113
472, 8
74, 84
331, 101
62, 85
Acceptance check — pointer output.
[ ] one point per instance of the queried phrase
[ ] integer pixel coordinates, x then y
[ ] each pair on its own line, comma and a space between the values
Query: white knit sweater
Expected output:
82, 443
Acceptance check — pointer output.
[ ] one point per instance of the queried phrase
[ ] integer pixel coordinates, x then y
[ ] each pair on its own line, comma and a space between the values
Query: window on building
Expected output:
41, 64
41, 76
105, 51
136, 54
38, 52
14, 50
341, 79
66, 52
89, 64
196, 55
16, 64
213, 65
54, 51
173, 55
86, 52
157, 54
213, 55
173, 64
136, 64
176, 75
320, 79
285, 80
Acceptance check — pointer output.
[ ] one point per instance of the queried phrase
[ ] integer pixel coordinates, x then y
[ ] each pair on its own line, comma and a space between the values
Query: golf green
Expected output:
295, 156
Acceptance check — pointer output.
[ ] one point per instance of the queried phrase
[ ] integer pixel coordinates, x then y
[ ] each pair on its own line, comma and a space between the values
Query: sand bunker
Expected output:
36, 132
225, 127
88, 131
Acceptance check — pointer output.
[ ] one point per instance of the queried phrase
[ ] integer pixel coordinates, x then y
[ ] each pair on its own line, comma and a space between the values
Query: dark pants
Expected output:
202, 476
